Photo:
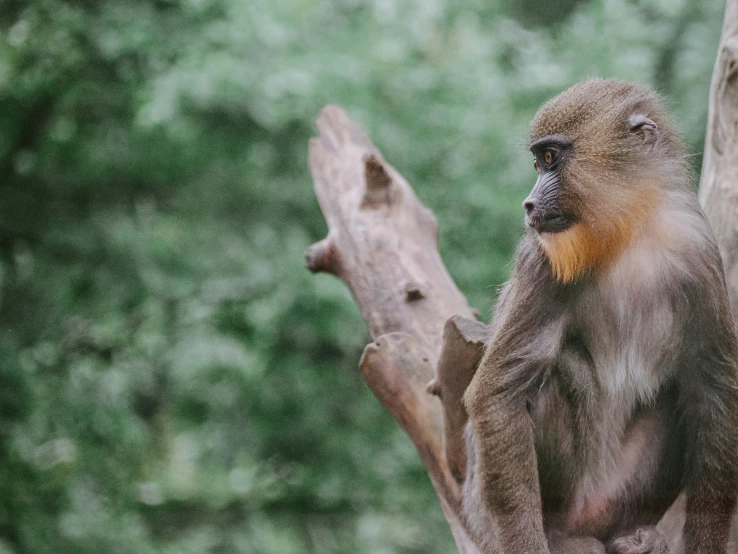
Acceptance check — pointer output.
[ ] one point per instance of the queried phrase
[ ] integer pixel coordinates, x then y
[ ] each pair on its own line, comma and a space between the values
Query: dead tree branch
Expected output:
382, 242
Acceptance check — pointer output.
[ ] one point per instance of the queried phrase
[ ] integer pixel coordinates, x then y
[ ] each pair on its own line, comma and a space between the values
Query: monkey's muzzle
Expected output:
543, 210
553, 224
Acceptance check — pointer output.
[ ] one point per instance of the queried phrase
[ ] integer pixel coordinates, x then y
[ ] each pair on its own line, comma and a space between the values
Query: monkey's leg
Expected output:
644, 540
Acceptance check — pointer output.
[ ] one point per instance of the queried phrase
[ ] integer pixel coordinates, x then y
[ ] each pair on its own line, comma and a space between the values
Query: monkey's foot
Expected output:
644, 540
561, 544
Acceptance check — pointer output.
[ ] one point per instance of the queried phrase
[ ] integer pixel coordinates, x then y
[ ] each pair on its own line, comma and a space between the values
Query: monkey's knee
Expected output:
561, 544
644, 540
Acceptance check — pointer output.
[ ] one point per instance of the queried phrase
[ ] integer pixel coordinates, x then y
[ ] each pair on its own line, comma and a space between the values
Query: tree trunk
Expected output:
719, 184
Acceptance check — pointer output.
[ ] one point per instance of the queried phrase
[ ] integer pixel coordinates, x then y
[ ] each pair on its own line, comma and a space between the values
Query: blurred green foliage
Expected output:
171, 378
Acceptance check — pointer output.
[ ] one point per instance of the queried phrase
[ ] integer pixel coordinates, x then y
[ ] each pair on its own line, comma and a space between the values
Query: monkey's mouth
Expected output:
551, 224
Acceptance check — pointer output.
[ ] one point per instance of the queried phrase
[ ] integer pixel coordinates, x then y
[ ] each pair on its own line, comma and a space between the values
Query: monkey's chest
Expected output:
628, 343
597, 451
630, 337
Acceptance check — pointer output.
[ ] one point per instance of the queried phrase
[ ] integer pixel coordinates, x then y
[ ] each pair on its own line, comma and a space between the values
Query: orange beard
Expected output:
582, 249
591, 245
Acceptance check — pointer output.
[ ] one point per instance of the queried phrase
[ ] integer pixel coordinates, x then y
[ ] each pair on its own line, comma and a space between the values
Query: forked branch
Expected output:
382, 242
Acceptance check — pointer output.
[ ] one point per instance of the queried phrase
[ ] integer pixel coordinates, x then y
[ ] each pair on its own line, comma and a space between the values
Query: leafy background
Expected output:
171, 378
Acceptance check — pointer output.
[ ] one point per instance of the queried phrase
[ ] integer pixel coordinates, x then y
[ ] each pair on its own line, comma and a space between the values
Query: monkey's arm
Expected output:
709, 398
527, 333
711, 473
506, 470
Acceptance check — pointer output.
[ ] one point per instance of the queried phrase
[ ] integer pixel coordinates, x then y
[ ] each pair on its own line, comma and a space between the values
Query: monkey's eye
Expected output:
548, 157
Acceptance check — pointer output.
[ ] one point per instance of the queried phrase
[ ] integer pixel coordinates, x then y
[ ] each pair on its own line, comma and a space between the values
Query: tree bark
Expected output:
382, 242
719, 180
719, 183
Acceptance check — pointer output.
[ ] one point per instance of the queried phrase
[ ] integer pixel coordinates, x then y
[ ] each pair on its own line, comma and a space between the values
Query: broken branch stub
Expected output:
321, 257
463, 347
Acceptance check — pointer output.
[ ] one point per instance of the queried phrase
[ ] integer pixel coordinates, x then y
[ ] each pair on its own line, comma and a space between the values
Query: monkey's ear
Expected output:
644, 128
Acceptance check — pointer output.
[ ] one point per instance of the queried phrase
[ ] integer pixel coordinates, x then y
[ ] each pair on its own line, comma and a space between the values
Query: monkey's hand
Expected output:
561, 544
644, 540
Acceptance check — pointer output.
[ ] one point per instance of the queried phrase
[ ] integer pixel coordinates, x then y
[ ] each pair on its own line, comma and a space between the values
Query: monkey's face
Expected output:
549, 207
604, 152
593, 150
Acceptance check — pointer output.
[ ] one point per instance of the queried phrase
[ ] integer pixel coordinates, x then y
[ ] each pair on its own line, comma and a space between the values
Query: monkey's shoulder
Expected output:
675, 250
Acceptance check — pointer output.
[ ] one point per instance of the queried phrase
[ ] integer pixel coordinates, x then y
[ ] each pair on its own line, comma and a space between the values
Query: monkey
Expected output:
609, 384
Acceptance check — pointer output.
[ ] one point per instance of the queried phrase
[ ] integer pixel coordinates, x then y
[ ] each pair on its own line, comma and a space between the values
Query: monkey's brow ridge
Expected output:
560, 141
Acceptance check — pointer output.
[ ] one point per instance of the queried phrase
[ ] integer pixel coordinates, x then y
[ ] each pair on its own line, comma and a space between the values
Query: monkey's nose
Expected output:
529, 206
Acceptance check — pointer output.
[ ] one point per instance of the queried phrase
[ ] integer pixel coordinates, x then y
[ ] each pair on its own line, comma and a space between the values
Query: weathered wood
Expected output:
719, 182
383, 243
396, 369
463, 346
